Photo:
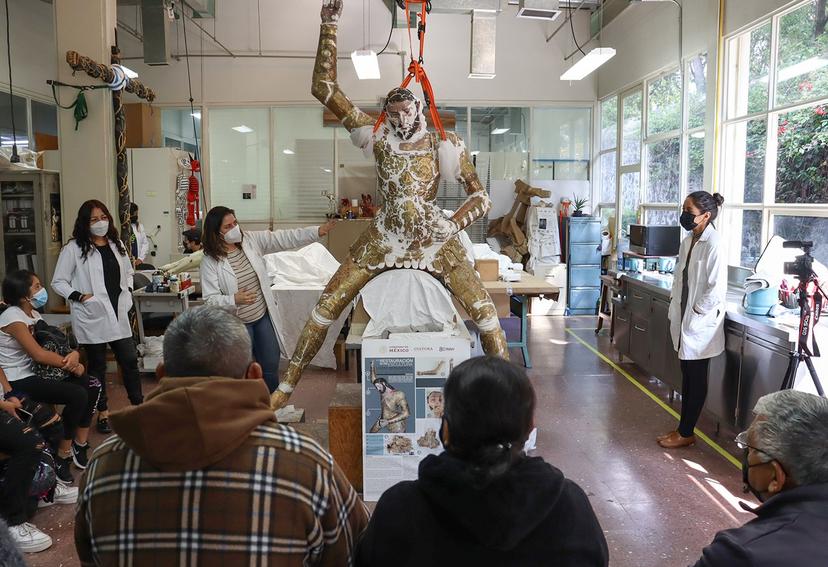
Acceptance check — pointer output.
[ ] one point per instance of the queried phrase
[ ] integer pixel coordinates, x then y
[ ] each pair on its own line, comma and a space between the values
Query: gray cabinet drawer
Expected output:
639, 341
584, 254
623, 324
584, 276
584, 232
638, 301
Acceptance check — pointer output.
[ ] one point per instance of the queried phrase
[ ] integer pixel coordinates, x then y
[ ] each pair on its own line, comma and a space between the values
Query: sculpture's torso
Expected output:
393, 404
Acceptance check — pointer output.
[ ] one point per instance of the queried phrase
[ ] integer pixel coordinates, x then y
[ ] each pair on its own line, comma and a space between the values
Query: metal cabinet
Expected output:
639, 341
582, 243
723, 377
661, 345
763, 368
622, 326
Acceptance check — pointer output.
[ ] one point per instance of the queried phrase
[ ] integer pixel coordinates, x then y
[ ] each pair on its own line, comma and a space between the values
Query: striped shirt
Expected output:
247, 280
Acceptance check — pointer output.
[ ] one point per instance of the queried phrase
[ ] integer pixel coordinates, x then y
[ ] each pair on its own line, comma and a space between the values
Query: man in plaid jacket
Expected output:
201, 474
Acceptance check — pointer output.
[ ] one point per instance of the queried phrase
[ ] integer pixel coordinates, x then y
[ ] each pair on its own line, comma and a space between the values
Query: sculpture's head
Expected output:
405, 113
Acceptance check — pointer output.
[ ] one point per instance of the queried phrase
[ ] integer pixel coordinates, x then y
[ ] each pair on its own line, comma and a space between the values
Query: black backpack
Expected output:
52, 339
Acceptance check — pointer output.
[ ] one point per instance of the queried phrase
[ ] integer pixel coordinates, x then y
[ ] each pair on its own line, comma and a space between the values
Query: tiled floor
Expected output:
658, 508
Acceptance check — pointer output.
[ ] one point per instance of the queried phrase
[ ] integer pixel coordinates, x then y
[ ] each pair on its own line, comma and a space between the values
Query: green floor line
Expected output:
715, 446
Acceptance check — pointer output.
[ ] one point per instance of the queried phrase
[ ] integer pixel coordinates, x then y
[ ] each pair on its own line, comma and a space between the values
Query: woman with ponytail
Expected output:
483, 501
697, 309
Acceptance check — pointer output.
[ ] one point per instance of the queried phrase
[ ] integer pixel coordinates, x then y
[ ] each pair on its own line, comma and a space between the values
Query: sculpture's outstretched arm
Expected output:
324, 85
478, 202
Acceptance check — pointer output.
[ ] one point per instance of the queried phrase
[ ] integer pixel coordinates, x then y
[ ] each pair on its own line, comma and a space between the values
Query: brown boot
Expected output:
665, 436
675, 441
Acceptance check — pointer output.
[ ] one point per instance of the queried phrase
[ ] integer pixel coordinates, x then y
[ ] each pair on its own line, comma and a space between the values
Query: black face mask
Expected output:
688, 221
746, 487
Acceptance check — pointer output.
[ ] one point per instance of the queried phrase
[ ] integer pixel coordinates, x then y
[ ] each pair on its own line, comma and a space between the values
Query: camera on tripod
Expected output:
803, 266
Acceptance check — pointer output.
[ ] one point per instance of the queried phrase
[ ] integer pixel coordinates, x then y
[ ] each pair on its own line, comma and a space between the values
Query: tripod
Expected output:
803, 353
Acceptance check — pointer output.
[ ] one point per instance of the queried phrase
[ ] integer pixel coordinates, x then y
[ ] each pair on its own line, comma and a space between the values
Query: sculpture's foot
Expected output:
278, 400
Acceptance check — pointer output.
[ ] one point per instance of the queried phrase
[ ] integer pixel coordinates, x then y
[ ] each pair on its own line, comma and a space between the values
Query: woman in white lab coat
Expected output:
697, 309
94, 275
234, 276
139, 241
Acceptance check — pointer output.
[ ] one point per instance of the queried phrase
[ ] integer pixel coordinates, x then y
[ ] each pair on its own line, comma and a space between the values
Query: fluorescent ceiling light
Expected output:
797, 69
498, 131
325, 169
697, 135
196, 114
481, 75
243, 129
588, 63
366, 64
475, 152
288, 152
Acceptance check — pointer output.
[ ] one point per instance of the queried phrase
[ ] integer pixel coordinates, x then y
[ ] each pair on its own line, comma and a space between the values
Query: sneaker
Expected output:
103, 425
79, 456
29, 539
63, 469
64, 494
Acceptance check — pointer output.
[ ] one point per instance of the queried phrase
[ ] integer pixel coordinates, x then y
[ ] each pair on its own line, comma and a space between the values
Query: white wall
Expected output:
528, 68
33, 49
739, 14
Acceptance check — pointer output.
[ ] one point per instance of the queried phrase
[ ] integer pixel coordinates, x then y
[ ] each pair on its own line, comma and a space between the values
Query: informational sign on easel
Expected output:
402, 401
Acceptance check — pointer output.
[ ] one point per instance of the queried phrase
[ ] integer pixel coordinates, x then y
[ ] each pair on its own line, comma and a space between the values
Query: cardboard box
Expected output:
143, 126
488, 269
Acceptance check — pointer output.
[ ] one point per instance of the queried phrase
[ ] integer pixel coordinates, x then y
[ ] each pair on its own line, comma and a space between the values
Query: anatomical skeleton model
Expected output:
410, 231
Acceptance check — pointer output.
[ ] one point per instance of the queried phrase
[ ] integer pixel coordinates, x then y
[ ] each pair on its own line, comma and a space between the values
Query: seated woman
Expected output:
483, 501
23, 293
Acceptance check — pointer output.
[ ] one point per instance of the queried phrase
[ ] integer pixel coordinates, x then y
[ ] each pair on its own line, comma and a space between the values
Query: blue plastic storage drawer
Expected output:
584, 254
584, 276
584, 300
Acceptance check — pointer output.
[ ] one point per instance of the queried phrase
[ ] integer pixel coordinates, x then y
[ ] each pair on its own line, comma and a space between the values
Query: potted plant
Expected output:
579, 203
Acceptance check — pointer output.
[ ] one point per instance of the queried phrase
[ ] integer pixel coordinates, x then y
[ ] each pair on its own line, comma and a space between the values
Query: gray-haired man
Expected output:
785, 465
201, 473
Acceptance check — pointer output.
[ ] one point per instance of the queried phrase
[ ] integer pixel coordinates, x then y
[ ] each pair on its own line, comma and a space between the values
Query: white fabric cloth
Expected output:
94, 320
14, 360
141, 241
700, 334
188, 263
218, 280
405, 301
298, 279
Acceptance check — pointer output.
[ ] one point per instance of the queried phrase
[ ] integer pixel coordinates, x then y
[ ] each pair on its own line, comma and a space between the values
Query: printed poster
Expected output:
402, 404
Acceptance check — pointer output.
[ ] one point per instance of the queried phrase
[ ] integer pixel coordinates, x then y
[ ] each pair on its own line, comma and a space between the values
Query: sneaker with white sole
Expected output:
29, 539
79, 455
64, 494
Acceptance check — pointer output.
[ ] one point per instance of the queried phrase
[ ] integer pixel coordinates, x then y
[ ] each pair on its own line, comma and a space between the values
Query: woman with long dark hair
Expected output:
23, 294
234, 276
697, 309
94, 274
483, 501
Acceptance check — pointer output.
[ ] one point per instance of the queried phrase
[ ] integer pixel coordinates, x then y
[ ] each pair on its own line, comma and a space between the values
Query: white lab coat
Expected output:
701, 334
94, 321
218, 280
142, 242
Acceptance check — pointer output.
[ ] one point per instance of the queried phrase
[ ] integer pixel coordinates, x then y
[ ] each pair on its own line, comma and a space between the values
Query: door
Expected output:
640, 343
659, 338
763, 369
621, 338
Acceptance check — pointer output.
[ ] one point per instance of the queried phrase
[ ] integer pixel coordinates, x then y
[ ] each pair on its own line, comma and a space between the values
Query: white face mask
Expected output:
233, 236
100, 228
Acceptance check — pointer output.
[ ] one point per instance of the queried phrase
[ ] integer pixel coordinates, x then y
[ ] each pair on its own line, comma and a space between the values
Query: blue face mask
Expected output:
39, 299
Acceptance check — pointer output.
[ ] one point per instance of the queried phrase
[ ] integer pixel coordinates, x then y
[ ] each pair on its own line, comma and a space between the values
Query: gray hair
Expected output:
792, 427
207, 341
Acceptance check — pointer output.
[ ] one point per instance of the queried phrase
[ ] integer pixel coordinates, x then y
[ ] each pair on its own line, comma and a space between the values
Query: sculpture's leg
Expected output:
463, 282
348, 280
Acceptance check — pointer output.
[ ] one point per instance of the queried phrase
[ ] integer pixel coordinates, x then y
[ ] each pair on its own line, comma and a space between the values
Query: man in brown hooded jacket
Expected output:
201, 474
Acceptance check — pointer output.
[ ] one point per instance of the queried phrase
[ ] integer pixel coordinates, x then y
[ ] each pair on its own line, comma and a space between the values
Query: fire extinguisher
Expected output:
192, 192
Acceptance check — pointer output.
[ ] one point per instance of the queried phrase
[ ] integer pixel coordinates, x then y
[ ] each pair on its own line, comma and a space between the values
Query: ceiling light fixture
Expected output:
196, 115
366, 64
498, 131
288, 152
243, 129
588, 63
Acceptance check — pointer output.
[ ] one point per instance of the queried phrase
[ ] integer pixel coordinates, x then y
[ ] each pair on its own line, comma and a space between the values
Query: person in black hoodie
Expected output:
483, 501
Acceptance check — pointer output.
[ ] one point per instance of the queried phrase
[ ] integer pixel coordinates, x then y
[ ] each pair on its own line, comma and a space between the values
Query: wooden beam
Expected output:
449, 118
105, 73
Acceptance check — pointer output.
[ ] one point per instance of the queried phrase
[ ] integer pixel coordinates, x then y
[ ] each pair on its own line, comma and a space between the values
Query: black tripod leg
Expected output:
790, 374
814, 376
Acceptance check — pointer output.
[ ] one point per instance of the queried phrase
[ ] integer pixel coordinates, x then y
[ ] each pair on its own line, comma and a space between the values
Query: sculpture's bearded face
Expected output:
406, 118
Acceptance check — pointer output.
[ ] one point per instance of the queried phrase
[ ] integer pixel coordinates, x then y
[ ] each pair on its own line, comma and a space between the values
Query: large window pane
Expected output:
607, 193
745, 160
630, 199
240, 161
695, 162
631, 135
500, 142
696, 91
663, 166
20, 126
609, 123
748, 68
664, 104
802, 156
802, 68
560, 143
303, 152
661, 217
745, 227
177, 128
805, 228
44, 126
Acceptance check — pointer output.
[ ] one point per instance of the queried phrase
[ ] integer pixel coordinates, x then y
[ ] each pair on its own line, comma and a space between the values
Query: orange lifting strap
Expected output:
416, 70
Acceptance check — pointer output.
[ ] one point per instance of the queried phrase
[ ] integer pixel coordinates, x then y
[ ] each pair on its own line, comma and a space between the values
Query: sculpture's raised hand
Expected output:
331, 10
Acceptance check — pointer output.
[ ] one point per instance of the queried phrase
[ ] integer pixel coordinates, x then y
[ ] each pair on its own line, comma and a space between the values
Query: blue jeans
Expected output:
265, 349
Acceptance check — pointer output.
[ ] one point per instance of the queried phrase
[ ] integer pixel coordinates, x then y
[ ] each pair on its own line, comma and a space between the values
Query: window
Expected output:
695, 162
607, 174
560, 143
696, 91
630, 200
609, 123
775, 137
631, 133
663, 167
664, 104
20, 122
44, 126
177, 128
240, 161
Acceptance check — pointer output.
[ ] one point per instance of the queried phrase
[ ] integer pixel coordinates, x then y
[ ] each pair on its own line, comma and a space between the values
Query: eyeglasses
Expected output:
742, 442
